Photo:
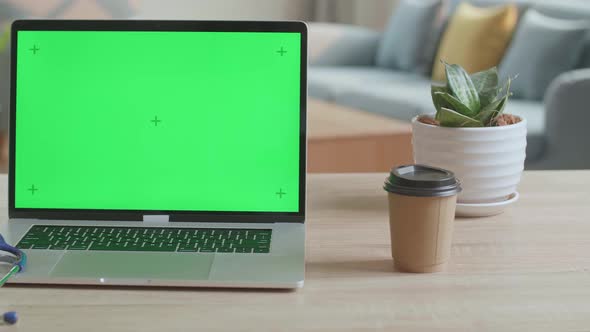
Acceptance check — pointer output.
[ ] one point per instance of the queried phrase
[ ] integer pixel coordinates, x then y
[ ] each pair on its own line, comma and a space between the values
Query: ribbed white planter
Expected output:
488, 161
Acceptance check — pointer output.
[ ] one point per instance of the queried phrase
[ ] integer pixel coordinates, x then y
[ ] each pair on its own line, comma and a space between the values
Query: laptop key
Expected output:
25, 245
187, 250
76, 248
157, 239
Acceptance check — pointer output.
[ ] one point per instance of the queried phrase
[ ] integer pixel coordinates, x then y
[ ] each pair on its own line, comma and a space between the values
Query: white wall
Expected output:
226, 9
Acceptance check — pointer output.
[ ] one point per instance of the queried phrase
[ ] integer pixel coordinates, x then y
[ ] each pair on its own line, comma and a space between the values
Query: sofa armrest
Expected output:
333, 44
567, 121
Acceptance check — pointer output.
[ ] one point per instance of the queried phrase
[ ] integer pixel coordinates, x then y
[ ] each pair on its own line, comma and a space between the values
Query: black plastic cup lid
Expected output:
422, 180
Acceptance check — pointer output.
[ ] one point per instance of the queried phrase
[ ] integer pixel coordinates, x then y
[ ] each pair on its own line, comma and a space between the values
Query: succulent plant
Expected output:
475, 100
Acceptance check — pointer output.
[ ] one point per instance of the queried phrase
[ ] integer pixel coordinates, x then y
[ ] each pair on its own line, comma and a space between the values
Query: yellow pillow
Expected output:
476, 38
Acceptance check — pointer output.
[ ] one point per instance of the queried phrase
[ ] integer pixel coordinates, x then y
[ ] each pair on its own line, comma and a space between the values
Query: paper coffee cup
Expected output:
422, 203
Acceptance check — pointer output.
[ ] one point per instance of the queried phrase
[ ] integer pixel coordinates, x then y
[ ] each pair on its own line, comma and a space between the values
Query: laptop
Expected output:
158, 153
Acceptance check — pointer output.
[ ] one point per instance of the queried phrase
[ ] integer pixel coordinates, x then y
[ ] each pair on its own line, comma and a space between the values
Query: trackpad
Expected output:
130, 265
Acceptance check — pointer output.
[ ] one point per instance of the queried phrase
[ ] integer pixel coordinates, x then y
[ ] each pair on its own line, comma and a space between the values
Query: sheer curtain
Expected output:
369, 13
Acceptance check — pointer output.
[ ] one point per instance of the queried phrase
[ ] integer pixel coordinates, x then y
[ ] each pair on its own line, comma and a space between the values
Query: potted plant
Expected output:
471, 136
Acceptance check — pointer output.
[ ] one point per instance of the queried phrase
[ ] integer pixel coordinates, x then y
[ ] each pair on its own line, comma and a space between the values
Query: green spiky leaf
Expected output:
489, 113
487, 96
462, 87
455, 104
437, 100
450, 118
485, 79
470, 100
486, 84
504, 100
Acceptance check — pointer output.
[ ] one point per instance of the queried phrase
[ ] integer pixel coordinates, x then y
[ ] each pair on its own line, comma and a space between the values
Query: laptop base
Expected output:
281, 267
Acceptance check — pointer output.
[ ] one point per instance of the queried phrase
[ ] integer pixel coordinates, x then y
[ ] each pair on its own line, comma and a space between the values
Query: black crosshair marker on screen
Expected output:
156, 121
32, 189
34, 49
280, 193
282, 51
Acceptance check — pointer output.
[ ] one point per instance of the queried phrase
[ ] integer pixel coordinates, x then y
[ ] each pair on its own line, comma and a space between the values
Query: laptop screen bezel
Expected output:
149, 25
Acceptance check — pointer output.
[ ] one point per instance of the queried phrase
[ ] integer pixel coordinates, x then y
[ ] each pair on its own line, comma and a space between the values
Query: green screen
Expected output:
141, 120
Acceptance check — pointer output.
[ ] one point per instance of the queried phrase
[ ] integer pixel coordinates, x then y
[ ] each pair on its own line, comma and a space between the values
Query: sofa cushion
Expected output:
554, 8
453, 4
542, 48
328, 82
398, 98
585, 57
572, 11
475, 38
534, 113
447, 12
410, 18
332, 44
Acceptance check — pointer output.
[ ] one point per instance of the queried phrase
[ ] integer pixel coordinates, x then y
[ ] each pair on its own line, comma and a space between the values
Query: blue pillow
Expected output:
570, 11
405, 41
585, 60
542, 48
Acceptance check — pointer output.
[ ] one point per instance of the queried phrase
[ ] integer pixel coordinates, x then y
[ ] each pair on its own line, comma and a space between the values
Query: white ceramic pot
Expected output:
488, 161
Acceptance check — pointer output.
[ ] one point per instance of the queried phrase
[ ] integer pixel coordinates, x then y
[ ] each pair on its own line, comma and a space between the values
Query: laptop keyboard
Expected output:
106, 238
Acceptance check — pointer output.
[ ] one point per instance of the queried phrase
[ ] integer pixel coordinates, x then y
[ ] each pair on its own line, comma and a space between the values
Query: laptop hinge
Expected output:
156, 218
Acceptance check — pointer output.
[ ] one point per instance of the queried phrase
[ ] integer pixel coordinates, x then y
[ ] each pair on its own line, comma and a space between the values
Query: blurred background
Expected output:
372, 13
355, 51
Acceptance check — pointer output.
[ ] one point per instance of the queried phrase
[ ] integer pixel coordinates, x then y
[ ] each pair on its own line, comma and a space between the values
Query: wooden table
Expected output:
343, 140
525, 270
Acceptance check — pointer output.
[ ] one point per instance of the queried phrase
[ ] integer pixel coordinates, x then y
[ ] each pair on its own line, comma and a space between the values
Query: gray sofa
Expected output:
343, 70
